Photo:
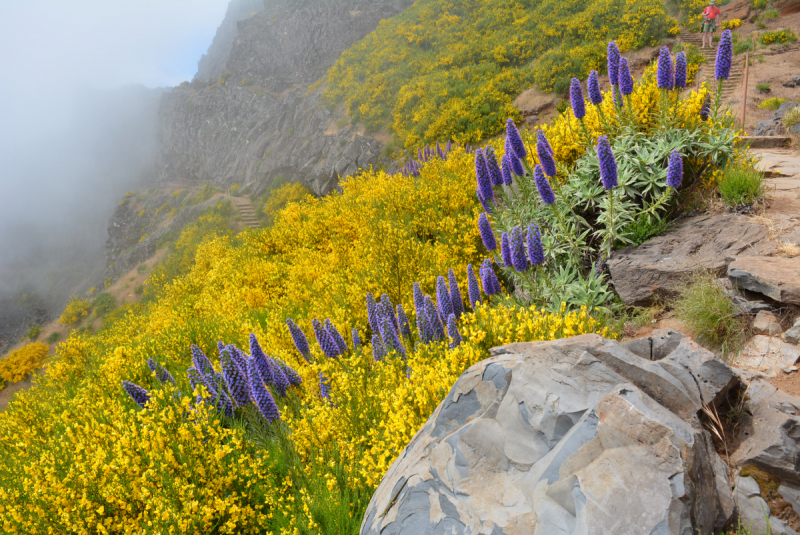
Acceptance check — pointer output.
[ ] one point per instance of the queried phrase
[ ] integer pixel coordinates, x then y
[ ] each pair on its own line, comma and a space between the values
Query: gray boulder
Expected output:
577, 436
754, 512
772, 440
775, 277
659, 266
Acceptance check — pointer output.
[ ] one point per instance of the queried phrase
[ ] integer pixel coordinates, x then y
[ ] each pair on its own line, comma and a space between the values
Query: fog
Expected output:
78, 101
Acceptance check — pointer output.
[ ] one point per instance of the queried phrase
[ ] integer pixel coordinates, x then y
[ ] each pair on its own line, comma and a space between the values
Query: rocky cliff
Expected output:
260, 121
212, 64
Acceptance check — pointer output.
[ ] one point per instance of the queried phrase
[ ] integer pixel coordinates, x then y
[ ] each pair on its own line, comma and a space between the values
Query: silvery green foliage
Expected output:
586, 222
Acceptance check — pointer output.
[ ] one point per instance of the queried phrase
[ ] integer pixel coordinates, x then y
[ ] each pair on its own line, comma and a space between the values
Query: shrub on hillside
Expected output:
22, 362
77, 309
450, 69
283, 195
772, 103
104, 303
778, 36
34, 332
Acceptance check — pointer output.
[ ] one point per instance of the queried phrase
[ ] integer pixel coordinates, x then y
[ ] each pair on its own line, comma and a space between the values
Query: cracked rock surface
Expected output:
576, 436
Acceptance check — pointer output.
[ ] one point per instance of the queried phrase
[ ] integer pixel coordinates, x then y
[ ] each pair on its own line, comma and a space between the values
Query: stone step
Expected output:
766, 142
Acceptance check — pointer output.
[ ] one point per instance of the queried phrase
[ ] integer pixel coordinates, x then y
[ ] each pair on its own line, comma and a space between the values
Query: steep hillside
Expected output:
258, 121
450, 69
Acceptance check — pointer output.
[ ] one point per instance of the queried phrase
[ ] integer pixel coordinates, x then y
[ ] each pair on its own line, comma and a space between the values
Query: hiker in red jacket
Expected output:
710, 15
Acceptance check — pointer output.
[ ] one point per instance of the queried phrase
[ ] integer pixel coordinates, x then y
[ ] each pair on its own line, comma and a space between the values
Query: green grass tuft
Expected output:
706, 309
741, 186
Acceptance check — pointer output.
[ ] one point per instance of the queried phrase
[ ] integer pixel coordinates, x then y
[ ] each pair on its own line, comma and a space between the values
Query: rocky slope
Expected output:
212, 64
260, 121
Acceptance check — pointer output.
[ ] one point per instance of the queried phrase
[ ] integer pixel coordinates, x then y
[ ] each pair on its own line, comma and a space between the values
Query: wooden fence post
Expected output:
744, 89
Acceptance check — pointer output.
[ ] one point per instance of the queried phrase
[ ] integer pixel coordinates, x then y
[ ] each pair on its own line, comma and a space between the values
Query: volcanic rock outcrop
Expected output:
586, 435
258, 120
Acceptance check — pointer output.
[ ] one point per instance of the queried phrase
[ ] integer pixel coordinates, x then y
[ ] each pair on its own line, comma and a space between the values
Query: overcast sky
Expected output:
50, 48
66, 145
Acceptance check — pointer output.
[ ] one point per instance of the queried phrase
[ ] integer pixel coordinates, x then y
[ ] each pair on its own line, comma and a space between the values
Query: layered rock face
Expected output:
212, 64
586, 435
262, 122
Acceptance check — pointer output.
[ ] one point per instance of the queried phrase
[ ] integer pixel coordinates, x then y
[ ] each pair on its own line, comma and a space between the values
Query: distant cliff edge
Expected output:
255, 120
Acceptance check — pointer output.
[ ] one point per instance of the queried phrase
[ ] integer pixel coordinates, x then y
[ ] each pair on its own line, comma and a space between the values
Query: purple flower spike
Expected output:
452, 332
260, 360
675, 170
514, 139
608, 164
483, 176
137, 393
722, 67
263, 399
238, 358
455, 294
542, 139
390, 338
334, 335
419, 299
326, 344
293, 377
324, 388
356, 339
613, 63
625, 79
518, 257
161, 373
487, 235
234, 379
545, 191
473, 290
200, 361
705, 109
546, 159
664, 73
487, 205
535, 250
680, 70
491, 285
372, 313
279, 379
593, 86
516, 165
508, 178
405, 325
208, 381
378, 350
576, 99
494, 169
194, 378
433, 320
505, 250
299, 339
443, 297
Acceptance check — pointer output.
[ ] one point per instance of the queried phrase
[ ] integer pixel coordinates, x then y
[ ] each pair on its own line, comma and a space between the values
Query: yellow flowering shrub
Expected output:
772, 103
564, 132
22, 362
73, 452
731, 24
450, 69
778, 36
283, 195
116, 469
75, 311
